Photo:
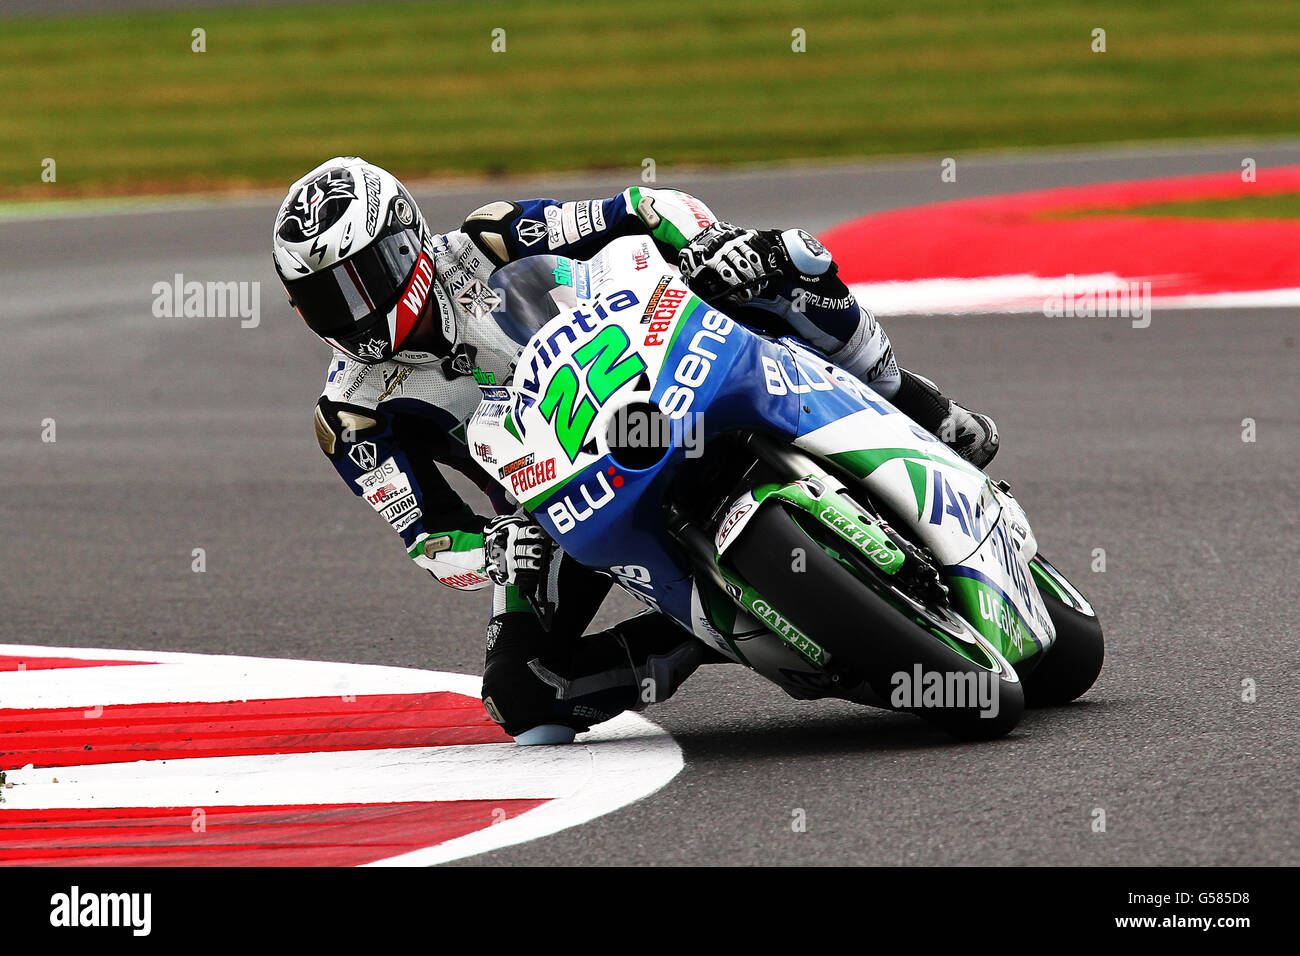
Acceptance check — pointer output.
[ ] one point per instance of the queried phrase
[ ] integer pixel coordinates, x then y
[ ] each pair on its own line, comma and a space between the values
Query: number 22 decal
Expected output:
608, 370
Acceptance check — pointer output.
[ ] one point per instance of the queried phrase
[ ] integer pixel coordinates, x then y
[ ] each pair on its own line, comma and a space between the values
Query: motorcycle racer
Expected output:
411, 317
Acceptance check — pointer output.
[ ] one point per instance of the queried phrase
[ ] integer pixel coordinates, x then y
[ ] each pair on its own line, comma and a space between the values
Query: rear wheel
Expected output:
874, 638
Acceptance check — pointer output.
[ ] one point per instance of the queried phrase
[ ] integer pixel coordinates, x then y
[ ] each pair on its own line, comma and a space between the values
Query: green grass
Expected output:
123, 106
1274, 206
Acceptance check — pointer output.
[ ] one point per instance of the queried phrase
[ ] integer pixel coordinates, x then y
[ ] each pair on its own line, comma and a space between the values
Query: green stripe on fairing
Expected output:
920, 481
510, 427
965, 594
531, 504
864, 461
688, 313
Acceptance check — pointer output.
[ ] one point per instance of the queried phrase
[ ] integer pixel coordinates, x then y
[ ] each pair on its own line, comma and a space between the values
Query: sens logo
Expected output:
530, 475
694, 367
662, 320
566, 513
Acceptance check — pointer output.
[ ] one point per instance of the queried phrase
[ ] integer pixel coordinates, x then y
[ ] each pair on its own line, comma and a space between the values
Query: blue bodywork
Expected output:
628, 528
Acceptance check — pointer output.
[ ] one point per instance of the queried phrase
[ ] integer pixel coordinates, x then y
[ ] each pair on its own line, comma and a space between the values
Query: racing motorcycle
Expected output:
774, 506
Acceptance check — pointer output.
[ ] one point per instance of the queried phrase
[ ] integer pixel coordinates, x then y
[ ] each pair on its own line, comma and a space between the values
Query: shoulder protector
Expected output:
488, 226
339, 424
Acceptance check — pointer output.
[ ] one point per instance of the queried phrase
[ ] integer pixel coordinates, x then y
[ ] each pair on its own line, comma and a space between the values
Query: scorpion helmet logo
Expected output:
318, 205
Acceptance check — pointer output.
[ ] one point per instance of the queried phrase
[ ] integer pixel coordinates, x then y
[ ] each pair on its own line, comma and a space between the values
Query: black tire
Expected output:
1071, 665
823, 597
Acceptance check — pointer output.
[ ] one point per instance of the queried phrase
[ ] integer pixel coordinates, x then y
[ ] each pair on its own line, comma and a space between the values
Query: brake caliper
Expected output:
919, 577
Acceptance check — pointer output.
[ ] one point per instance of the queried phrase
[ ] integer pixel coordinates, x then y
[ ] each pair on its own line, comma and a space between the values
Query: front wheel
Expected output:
879, 640
1072, 664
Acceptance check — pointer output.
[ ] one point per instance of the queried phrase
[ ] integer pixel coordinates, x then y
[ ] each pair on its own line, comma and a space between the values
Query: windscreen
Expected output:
533, 291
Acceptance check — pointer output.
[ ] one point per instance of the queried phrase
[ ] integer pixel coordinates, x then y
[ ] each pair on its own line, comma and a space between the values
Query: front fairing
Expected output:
633, 335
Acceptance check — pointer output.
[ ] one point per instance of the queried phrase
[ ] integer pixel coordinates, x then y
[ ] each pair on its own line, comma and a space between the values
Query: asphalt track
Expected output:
175, 434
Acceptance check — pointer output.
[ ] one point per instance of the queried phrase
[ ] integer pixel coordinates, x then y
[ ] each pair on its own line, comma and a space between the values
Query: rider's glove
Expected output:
454, 557
725, 263
518, 550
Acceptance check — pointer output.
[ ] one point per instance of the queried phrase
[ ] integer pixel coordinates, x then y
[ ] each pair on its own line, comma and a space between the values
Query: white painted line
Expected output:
617, 763
630, 759
197, 678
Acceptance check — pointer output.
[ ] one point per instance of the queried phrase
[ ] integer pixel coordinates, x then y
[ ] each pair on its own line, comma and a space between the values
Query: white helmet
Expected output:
354, 255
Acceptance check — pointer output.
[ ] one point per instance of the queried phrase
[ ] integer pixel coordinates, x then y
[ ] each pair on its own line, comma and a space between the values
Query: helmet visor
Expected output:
346, 299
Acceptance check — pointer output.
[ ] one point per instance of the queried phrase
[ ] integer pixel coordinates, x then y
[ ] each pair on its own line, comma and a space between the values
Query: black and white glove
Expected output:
725, 263
518, 551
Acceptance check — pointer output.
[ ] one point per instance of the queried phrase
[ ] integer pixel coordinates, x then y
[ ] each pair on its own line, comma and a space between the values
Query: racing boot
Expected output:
970, 434
551, 697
